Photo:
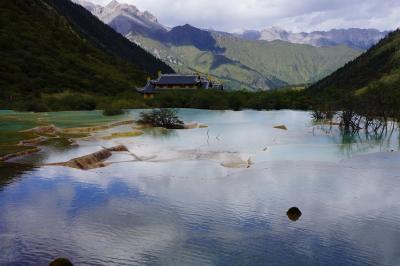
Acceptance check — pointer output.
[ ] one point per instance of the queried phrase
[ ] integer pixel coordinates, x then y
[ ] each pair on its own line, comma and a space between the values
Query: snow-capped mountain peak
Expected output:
113, 4
355, 38
124, 18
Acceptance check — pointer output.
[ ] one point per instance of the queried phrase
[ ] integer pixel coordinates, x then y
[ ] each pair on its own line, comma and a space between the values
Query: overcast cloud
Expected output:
304, 15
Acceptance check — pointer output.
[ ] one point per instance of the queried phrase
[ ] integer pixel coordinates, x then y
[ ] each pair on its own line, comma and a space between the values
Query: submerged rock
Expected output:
53, 130
45, 130
96, 128
185, 126
194, 125
191, 126
293, 214
283, 127
225, 159
61, 262
130, 134
19, 154
33, 142
118, 148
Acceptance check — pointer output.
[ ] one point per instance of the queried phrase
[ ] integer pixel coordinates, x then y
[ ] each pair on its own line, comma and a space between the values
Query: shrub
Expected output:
31, 105
167, 118
111, 111
67, 102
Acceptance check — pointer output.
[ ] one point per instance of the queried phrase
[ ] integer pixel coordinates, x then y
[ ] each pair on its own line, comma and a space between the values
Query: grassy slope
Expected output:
255, 64
42, 52
293, 63
188, 59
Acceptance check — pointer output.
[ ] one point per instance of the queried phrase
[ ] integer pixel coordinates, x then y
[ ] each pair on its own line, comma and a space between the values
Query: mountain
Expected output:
93, 8
189, 59
128, 19
189, 35
240, 63
291, 63
125, 18
379, 65
252, 65
361, 39
63, 47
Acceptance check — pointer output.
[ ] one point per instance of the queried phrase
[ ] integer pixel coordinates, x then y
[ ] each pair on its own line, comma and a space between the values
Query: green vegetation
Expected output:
112, 111
202, 99
366, 91
381, 63
50, 46
253, 65
291, 63
234, 100
63, 58
166, 118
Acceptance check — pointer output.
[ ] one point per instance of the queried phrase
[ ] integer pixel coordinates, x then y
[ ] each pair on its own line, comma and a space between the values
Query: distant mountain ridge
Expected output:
189, 35
241, 62
361, 39
127, 19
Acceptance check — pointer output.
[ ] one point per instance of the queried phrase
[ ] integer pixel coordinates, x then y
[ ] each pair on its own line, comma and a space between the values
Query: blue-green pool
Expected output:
186, 203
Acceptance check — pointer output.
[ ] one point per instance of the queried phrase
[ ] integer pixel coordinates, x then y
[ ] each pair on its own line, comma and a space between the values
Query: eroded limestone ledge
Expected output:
93, 160
19, 154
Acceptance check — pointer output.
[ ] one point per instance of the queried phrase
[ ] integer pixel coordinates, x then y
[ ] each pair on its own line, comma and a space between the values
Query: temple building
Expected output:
178, 82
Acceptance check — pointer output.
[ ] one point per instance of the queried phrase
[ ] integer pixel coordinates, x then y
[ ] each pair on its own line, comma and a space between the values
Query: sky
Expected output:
293, 15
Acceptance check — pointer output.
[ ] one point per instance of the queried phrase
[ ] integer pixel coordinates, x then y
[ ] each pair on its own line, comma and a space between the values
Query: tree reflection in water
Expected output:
361, 141
10, 172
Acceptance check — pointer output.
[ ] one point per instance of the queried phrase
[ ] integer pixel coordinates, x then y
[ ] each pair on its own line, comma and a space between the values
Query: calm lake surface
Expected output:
190, 201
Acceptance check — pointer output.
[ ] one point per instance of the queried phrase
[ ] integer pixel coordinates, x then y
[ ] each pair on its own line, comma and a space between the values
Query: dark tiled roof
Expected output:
177, 80
149, 88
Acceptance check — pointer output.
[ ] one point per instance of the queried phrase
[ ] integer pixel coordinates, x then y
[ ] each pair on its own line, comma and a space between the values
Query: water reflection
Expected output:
160, 133
169, 214
361, 142
191, 210
10, 172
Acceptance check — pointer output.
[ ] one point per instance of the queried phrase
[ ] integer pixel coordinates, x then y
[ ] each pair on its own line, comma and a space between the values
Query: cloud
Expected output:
306, 15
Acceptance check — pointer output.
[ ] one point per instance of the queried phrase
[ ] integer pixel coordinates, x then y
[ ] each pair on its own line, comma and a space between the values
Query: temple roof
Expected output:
149, 88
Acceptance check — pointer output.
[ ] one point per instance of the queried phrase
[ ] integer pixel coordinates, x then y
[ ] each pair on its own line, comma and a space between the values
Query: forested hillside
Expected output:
54, 46
369, 85
380, 63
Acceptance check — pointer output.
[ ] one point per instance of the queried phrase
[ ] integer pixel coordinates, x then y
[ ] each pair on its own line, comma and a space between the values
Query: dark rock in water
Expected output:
118, 148
283, 127
293, 214
61, 262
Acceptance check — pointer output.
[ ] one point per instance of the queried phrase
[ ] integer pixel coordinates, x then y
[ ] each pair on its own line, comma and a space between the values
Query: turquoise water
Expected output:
14, 121
184, 204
